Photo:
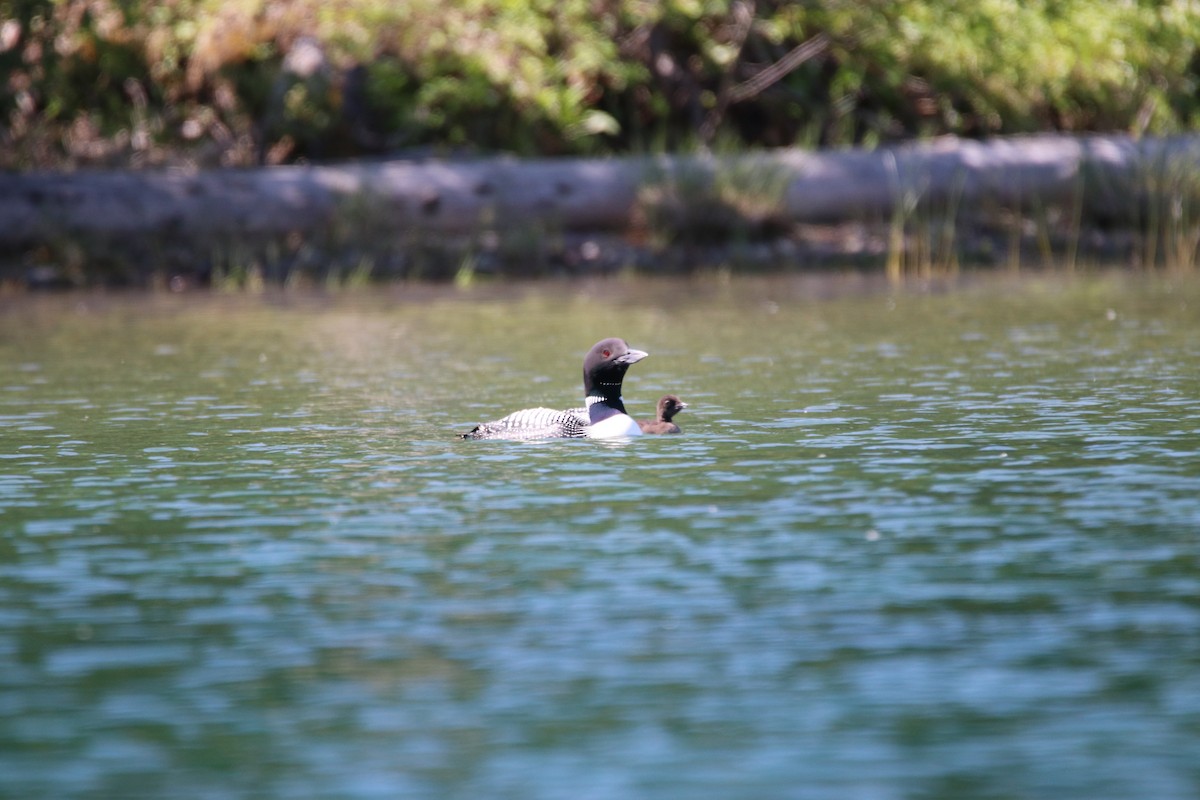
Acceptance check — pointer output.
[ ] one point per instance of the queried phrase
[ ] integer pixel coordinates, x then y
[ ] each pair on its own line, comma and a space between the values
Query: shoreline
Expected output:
922, 208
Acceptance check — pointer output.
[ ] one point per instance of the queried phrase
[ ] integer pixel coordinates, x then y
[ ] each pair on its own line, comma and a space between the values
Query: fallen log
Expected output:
572, 194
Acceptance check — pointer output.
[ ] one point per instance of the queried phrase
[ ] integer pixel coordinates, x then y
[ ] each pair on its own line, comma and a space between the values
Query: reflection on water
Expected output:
911, 544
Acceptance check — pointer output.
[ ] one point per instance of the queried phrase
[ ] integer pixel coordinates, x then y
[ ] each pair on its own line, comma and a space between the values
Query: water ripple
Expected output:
942, 547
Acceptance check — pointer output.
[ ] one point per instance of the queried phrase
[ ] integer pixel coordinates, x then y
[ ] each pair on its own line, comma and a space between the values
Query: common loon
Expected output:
668, 406
603, 417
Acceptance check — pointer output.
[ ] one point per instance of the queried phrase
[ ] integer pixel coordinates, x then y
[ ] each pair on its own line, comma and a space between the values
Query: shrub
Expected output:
213, 81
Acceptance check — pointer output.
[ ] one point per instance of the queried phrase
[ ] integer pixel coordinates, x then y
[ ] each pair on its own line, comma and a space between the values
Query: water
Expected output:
933, 543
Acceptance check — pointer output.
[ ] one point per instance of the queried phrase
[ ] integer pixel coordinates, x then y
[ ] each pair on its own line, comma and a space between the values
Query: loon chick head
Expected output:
604, 370
668, 406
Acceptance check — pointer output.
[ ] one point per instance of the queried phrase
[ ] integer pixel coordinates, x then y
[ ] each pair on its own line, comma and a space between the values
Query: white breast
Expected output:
612, 427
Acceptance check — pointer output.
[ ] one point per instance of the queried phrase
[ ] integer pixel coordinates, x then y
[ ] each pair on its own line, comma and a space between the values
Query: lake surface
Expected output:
928, 542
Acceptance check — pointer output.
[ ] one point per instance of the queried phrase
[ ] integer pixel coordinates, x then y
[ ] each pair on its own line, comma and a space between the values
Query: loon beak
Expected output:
682, 405
632, 357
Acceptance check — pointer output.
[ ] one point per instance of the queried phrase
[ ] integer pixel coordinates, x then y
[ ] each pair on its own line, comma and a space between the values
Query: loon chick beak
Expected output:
632, 357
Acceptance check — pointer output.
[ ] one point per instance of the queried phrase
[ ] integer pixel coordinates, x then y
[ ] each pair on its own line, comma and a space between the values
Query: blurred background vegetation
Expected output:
236, 82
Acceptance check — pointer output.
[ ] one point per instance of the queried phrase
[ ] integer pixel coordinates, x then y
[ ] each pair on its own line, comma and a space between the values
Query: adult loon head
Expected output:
668, 406
604, 370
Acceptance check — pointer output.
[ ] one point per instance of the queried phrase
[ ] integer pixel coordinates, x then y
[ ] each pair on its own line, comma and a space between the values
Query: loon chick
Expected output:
668, 406
603, 417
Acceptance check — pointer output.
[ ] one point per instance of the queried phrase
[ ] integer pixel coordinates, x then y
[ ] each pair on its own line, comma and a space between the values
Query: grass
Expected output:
1170, 187
701, 201
923, 230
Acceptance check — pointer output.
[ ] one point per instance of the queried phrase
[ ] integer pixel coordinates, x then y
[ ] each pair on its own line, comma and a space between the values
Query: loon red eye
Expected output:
607, 353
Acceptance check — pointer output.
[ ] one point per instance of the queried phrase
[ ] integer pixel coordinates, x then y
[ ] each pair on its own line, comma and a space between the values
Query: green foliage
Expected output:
110, 80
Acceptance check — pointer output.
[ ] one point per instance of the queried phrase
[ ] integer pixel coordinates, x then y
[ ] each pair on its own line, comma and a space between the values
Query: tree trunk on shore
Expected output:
574, 194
